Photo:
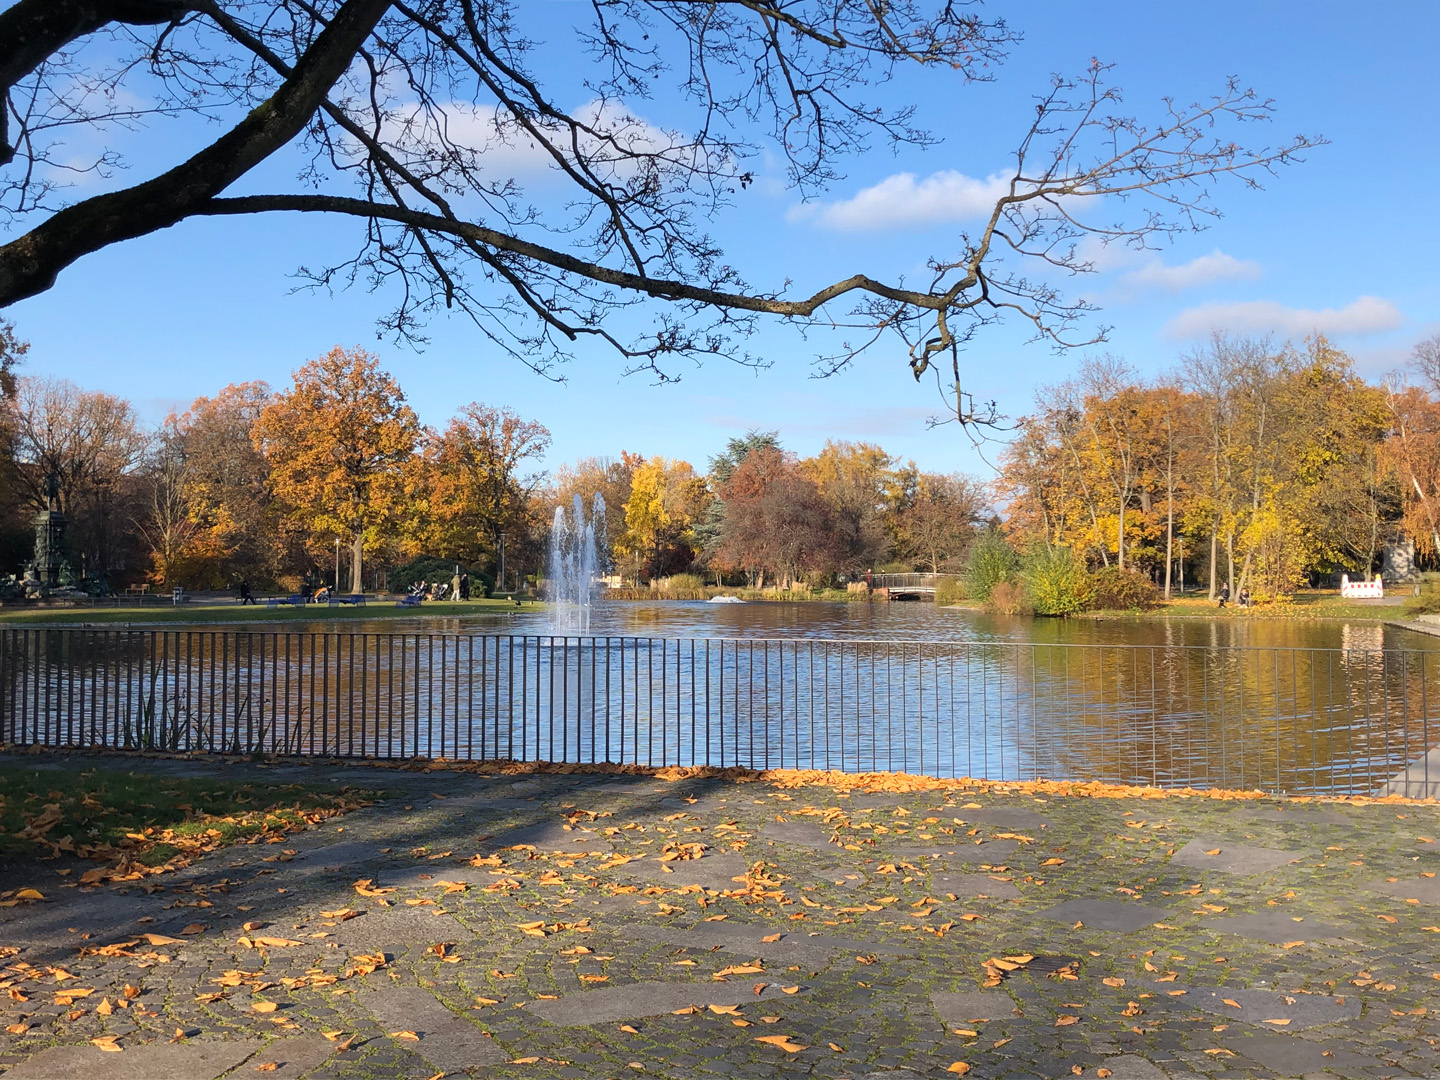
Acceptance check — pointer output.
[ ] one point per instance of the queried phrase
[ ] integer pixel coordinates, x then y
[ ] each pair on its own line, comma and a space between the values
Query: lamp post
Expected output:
502, 562
337, 565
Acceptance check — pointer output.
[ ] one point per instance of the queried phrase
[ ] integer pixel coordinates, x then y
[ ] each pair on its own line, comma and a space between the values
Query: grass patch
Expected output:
136, 823
200, 614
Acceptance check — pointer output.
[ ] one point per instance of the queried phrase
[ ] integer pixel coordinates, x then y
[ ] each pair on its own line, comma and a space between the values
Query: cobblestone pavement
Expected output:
552, 926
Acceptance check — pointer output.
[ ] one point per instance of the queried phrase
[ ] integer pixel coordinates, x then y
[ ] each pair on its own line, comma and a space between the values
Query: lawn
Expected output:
230, 612
132, 820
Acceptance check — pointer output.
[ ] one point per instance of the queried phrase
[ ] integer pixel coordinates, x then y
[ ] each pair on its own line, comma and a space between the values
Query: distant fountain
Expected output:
577, 558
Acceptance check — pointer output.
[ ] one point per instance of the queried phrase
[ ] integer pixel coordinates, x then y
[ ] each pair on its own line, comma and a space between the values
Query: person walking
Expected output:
465, 585
246, 597
1224, 594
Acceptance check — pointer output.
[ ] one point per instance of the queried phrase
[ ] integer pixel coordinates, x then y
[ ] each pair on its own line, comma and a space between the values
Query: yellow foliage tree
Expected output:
341, 447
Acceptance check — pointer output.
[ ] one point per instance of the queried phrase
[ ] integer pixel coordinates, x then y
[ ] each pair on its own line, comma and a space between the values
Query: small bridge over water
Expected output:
910, 586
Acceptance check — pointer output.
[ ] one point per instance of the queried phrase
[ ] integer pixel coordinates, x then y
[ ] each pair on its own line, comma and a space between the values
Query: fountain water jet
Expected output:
577, 558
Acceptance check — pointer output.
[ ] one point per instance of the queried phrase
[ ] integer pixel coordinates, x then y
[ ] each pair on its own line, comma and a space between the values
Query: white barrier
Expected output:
1362, 590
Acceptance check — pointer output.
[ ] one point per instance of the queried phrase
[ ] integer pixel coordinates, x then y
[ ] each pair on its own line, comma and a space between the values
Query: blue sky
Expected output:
1345, 243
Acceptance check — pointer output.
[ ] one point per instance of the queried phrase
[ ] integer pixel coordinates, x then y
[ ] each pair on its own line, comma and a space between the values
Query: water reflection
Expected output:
1285, 718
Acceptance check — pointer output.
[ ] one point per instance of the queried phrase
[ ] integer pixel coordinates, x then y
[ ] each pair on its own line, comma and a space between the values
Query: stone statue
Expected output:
50, 535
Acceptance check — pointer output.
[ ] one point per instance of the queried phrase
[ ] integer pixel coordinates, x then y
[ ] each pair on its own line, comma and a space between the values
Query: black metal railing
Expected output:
1280, 719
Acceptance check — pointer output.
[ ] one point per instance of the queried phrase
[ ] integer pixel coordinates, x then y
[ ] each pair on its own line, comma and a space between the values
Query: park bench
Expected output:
275, 601
408, 601
358, 599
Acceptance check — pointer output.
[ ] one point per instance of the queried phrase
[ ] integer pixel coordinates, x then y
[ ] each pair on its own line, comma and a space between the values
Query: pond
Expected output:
918, 622
1287, 705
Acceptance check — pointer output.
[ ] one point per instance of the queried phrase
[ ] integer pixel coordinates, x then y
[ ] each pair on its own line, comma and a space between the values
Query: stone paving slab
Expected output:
552, 836
749, 941
1010, 817
992, 852
1425, 890
1288, 1056
714, 872
1116, 916
1133, 1067
964, 1006
1301, 816
799, 833
397, 928
1240, 859
195, 1060
973, 885
446, 1041
1258, 1006
650, 999
1274, 927
294, 1057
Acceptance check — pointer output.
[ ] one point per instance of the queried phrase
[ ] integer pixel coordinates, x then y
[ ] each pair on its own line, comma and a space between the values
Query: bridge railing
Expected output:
910, 581
1280, 719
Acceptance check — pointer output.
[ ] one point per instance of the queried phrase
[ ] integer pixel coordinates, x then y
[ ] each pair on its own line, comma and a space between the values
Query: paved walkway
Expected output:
552, 926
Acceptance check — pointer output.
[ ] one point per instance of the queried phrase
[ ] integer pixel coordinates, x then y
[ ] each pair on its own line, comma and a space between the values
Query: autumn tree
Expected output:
340, 446
407, 119
859, 482
478, 486
776, 521
91, 442
164, 518
239, 532
940, 519
666, 499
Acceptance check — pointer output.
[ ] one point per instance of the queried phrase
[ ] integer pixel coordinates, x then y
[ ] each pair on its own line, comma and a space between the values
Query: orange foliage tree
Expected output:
341, 449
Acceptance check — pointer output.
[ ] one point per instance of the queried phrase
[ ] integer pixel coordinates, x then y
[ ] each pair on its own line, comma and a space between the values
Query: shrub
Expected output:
950, 591
1113, 589
1427, 603
1056, 581
992, 561
1009, 598
684, 583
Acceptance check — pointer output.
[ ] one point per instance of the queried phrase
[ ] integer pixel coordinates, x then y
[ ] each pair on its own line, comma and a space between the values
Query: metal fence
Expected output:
1280, 719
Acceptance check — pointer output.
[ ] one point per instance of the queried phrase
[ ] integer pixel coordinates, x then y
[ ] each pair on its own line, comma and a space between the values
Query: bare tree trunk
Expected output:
356, 576
1169, 538
1120, 539
1230, 560
1214, 556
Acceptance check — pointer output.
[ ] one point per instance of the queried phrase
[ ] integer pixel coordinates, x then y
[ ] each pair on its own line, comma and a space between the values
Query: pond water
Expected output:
915, 622
1285, 704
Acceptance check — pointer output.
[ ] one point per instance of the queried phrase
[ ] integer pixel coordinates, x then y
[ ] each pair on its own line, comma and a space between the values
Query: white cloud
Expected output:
1366, 315
903, 199
509, 151
1217, 266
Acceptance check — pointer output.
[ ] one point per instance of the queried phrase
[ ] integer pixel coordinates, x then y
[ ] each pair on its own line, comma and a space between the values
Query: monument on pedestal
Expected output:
50, 537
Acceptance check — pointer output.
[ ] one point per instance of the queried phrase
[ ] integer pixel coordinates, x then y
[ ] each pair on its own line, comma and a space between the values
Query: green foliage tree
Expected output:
992, 561
1056, 581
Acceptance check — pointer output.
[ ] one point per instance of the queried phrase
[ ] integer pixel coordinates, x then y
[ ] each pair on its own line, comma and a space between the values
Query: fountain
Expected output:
577, 557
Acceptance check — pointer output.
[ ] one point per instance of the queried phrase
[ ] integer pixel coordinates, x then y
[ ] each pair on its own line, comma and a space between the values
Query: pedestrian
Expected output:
455, 584
1224, 594
465, 585
1245, 596
245, 595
